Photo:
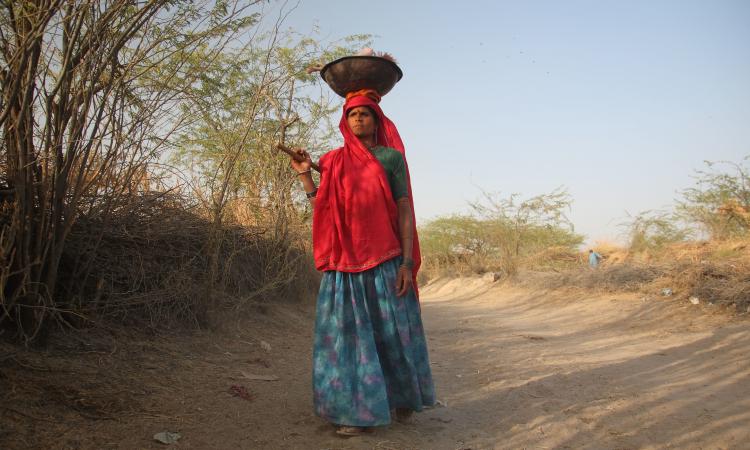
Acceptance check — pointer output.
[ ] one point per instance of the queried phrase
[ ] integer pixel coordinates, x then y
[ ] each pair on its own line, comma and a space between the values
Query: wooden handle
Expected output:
295, 155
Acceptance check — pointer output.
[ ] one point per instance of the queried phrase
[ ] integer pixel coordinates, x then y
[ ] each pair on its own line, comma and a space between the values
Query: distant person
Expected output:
594, 259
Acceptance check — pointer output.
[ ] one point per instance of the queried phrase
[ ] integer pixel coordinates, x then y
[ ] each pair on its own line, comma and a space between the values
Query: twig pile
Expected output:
147, 259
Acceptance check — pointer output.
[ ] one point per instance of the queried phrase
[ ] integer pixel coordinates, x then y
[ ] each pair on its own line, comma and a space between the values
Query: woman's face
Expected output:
361, 121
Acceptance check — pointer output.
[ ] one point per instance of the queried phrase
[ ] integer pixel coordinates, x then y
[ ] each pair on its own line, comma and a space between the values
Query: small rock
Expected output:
666, 292
167, 437
265, 346
694, 300
441, 420
491, 276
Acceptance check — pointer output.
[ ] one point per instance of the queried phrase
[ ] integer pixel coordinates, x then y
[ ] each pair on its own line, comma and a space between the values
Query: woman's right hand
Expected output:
302, 166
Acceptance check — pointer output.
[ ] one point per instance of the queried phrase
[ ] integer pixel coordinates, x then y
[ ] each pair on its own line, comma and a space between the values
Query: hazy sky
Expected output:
619, 101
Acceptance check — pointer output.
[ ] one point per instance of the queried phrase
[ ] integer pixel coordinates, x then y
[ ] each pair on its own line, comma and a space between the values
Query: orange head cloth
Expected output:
372, 93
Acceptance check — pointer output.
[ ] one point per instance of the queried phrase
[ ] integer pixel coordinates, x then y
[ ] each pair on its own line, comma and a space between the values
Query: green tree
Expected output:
245, 102
720, 200
84, 108
499, 233
520, 227
652, 230
457, 242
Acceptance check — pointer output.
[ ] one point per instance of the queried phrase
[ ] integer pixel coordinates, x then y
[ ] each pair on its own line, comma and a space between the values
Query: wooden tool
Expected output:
295, 155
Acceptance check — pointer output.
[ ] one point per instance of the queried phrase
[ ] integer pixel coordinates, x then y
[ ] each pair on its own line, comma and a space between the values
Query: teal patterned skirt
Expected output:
370, 353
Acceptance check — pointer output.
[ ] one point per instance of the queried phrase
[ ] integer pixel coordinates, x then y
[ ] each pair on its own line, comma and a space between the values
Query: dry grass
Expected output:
612, 278
612, 252
148, 263
714, 272
553, 258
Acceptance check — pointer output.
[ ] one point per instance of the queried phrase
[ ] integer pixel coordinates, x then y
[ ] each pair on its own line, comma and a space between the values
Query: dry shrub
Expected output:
719, 284
142, 255
712, 270
607, 247
735, 251
614, 277
454, 265
716, 272
146, 261
612, 253
554, 258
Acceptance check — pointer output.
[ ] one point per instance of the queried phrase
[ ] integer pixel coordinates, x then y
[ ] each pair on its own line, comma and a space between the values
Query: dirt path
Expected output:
524, 370
515, 369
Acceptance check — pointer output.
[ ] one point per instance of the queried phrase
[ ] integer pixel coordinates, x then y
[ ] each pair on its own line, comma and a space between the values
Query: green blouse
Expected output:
395, 169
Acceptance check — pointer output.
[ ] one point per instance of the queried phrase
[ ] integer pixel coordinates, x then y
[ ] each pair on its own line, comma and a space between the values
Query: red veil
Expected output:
355, 220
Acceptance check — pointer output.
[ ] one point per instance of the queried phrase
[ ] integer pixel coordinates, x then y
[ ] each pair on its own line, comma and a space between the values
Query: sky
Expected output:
619, 102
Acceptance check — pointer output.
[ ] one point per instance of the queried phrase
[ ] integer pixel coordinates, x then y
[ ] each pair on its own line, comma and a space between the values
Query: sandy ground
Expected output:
514, 369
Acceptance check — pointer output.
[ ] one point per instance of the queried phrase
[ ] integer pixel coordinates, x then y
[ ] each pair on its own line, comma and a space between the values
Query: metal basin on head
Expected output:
352, 73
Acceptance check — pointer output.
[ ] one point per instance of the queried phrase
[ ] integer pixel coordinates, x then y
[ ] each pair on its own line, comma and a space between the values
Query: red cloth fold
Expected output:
355, 219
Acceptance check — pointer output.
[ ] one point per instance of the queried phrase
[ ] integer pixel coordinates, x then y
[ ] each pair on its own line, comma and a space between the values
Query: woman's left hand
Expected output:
403, 281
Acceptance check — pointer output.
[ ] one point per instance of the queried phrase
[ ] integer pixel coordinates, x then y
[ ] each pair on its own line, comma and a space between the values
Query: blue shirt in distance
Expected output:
594, 259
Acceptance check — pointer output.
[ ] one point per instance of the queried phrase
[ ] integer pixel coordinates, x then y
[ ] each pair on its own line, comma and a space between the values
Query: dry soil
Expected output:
514, 369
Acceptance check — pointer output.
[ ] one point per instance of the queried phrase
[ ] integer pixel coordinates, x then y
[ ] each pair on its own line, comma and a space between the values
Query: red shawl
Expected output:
355, 219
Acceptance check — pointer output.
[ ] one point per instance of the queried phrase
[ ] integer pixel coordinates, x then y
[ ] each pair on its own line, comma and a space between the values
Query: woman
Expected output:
370, 354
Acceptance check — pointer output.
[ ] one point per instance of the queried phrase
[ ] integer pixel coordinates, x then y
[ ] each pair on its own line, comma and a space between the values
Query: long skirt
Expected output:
370, 353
